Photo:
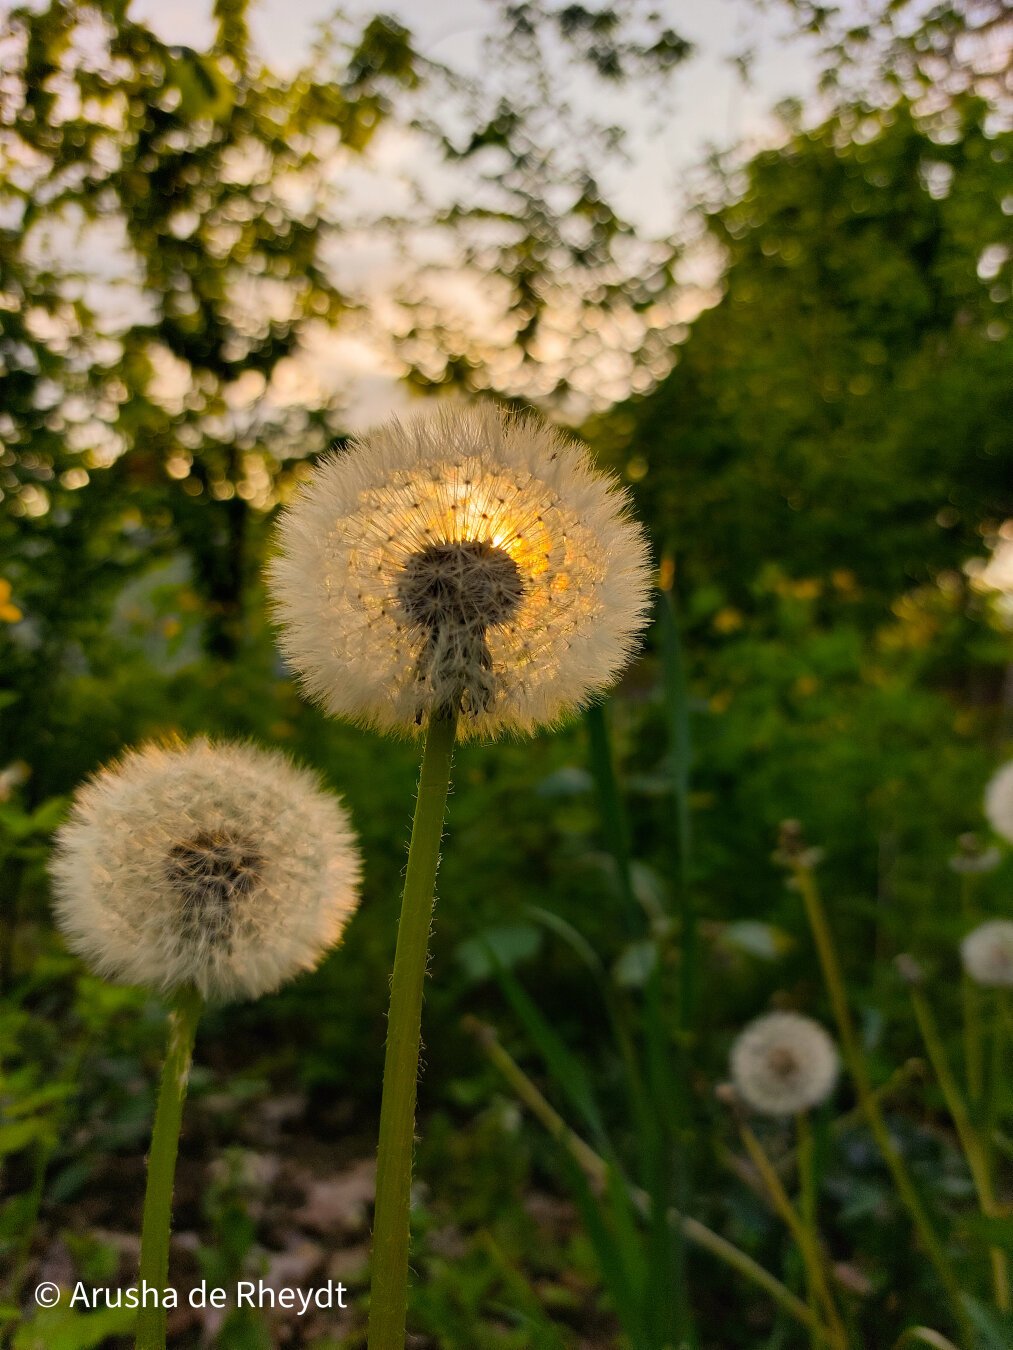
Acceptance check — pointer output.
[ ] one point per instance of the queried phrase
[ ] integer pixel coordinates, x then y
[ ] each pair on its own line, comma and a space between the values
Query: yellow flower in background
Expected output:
9, 613
727, 620
467, 560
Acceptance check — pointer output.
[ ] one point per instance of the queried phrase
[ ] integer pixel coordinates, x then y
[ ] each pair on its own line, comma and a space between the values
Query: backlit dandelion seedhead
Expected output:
219, 866
784, 1063
987, 953
465, 561
999, 802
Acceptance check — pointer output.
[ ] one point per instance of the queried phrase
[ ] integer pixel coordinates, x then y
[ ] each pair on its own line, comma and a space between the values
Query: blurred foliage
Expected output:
831, 447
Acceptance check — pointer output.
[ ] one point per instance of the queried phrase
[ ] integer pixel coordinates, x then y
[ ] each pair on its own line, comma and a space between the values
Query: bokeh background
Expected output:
759, 256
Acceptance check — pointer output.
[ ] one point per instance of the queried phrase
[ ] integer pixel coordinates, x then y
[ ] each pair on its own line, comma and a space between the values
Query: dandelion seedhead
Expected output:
972, 856
999, 802
987, 953
469, 560
784, 1063
219, 866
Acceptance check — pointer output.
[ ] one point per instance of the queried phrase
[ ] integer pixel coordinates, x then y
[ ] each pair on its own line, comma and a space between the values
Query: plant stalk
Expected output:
807, 1187
388, 1303
970, 1141
855, 1060
154, 1271
808, 1245
596, 1169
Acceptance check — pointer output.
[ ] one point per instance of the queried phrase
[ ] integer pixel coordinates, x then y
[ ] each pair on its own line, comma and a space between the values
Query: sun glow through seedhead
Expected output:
223, 867
467, 559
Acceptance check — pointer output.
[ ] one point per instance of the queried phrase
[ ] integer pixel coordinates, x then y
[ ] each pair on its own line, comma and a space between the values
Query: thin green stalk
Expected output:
183, 1017
926, 1336
855, 1060
597, 1170
807, 1188
970, 1142
617, 833
996, 1075
970, 1000
388, 1303
680, 743
805, 1240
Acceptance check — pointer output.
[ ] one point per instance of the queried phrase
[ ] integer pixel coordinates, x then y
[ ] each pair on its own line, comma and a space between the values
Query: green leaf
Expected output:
636, 962
754, 938
20, 1134
505, 946
203, 89
64, 1328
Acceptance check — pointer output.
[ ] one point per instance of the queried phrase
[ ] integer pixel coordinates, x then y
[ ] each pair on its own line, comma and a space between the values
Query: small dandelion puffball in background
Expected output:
468, 560
784, 1063
999, 802
987, 953
219, 866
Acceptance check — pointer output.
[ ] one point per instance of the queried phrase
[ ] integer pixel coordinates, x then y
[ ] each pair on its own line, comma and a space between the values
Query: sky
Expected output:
710, 104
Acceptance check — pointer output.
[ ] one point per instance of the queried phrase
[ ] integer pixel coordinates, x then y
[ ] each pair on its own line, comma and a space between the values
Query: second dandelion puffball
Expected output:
467, 562
221, 867
784, 1063
999, 802
987, 953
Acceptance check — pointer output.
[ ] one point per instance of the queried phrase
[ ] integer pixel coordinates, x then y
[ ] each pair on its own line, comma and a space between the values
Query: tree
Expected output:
846, 403
168, 223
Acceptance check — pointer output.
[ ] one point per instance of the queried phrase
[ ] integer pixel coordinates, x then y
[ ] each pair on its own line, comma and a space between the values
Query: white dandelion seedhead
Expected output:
999, 802
784, 1063
220, 866
469, 560
987, 953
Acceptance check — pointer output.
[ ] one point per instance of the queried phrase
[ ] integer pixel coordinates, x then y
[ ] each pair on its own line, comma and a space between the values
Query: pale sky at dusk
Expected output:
710, 104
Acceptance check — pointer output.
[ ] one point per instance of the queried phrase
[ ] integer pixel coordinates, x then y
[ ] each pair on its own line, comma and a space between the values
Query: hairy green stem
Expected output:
970, 1141
596, 1169
388, 1301
183, 1017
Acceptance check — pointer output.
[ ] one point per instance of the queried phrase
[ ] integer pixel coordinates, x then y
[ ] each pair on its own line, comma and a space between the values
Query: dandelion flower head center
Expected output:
210, 872
782, 1062
454, 592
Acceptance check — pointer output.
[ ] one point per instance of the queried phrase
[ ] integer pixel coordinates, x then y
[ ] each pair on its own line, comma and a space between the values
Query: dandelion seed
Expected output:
987, 953
784, 1063
223, 867
468, 561
999, 802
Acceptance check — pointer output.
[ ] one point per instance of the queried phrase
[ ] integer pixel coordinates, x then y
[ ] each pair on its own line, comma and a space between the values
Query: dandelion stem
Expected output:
183, 1017
388, 1302
970, 1007
970, 1142
852, 1052
807, 1188
808, 1245
926, 1336
596, 1169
